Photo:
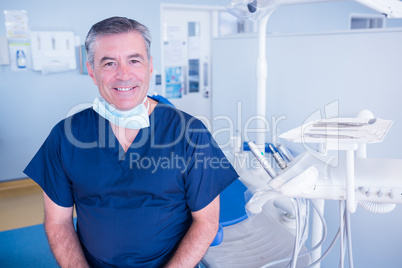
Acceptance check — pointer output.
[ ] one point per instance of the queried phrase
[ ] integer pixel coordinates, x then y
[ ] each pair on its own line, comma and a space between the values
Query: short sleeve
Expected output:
209, 172
46, 169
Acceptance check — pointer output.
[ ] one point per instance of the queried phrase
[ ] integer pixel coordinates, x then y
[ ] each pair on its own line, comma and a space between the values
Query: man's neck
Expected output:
126, 136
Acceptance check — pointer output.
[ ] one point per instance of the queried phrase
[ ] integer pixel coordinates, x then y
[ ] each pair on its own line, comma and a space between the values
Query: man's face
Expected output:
122, 70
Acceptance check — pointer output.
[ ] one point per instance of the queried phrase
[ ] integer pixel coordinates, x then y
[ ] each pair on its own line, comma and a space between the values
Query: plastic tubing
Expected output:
342, 228
375, 207
328, 249
319, 244
297, 240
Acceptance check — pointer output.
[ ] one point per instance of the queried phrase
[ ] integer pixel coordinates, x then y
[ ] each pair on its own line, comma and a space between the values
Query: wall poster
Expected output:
174, 82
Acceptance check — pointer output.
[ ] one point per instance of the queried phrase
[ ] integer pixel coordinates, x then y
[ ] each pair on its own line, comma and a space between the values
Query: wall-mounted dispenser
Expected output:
53, 51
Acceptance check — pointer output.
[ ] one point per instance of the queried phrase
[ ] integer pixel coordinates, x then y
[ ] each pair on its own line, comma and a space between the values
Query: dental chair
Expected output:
260, 240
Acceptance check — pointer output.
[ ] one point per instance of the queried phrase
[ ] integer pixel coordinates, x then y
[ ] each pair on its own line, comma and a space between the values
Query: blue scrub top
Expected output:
132, 208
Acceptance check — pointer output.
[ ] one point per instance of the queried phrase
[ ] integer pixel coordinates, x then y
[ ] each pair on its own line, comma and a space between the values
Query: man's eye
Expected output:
109, 64
134, 61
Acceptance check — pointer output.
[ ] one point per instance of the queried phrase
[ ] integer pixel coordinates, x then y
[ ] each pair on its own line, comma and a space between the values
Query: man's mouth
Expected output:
123, 88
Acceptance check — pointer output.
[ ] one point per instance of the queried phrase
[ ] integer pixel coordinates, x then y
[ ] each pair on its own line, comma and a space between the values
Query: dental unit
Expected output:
338, 170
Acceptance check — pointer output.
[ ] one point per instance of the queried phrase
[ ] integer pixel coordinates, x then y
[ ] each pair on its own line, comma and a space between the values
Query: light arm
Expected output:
61, 234
198, 238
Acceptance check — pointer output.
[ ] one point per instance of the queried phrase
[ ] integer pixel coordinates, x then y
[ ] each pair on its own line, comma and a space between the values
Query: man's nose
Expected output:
123, 72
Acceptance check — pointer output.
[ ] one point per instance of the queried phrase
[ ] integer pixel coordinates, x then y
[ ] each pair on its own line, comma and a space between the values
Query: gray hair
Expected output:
115, 25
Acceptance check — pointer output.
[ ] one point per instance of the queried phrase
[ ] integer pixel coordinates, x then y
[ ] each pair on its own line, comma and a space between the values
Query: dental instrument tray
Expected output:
345, 130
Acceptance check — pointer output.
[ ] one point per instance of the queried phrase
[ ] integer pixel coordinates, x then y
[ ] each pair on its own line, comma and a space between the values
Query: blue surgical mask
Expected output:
135, 118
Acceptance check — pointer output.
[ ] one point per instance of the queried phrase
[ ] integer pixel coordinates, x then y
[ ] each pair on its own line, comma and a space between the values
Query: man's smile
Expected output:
123, 88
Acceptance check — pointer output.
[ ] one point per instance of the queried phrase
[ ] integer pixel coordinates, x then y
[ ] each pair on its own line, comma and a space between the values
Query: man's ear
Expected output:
91, 72
151, 66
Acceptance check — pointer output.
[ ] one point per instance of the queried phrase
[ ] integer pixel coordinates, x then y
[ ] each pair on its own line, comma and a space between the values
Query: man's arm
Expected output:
62, 236
198, 238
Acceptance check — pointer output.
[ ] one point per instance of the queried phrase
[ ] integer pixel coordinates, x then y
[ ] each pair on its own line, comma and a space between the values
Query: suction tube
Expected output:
375, 207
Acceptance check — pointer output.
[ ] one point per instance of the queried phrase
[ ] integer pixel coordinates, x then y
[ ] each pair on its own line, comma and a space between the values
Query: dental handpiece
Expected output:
262, 159
278, 158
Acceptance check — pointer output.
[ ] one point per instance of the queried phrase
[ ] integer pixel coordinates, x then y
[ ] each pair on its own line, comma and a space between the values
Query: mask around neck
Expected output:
135, 118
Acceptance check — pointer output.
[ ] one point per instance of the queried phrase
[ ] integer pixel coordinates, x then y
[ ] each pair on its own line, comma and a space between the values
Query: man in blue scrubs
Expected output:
144, 177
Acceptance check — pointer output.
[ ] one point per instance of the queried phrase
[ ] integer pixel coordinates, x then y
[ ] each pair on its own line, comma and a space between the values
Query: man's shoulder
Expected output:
80, 120
171, 114
80, 117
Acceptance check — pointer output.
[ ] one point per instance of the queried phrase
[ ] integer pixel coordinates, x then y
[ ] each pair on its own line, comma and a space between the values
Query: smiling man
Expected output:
162, 210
